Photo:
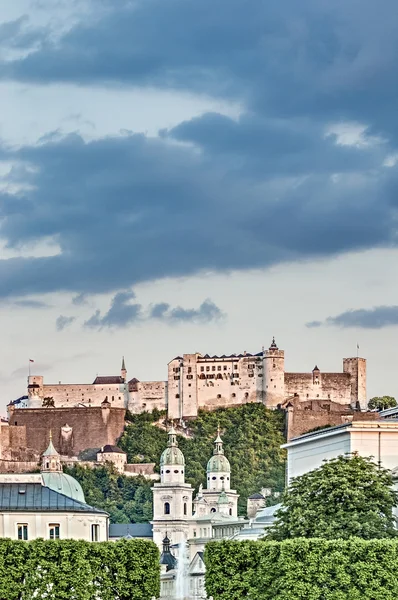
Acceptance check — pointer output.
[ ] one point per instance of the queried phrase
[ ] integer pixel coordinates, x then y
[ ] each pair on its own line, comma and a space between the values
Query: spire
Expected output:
218, 443
123, 371
172, 441
123, 365
51, 460
273, 344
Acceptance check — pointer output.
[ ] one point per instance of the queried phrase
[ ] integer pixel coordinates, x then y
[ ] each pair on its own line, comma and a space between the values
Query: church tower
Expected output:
51, 460
219, 480
123, 371
274, 375
172, 497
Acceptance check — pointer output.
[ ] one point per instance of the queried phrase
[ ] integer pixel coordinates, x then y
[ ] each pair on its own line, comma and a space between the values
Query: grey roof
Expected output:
130, 529
39, 498
256, 496
166, 558
108, 380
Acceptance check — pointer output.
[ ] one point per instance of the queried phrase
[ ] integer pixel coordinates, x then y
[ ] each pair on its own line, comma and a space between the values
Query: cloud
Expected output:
123, 313
377, 317
269, 187
62, 322
207, 311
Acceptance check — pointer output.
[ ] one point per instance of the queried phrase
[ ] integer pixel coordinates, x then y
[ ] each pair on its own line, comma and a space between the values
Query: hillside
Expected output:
252, 437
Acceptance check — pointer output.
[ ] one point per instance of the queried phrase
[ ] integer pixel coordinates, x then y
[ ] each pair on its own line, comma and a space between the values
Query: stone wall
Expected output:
302, 417
325, 386
145, 396
73, 429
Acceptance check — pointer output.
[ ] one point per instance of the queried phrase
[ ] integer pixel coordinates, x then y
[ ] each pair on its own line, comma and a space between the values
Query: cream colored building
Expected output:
49, 505
114, 455
200, 381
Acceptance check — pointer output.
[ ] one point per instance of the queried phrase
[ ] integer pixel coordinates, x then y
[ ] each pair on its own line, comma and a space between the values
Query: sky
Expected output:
180, 176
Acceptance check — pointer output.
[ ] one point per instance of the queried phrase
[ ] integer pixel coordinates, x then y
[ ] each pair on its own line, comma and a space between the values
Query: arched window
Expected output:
213, 510
230, 511
166, 508
185, 508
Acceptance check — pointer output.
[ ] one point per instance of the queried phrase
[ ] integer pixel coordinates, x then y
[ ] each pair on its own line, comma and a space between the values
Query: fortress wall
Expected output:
88, 428
327, 386
147, 396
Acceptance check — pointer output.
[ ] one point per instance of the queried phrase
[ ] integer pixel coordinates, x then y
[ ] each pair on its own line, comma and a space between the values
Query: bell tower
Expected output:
172, 497
274, 374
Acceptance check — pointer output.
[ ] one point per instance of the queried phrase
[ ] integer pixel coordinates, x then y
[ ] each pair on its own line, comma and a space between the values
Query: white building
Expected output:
114, 455
49, 505
196, 381
368, 438
178, 522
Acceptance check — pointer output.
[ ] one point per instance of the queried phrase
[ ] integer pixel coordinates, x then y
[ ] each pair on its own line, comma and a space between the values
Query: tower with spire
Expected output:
218, 481
172, 497
274, 375
123, 371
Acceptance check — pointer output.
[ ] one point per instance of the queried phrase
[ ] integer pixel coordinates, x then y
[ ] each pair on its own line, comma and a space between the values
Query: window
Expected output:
22, 531
185, 508
213, 368
233, 395
202, 369
189, 384
166, 508
251, 375
230, 511
207, 368
53, 530
194, 533
218, 368
250, 366
176, 377
235, 367
189, 376
213, 510
95, 533
218, 395
189, 369
177, 395
225, 368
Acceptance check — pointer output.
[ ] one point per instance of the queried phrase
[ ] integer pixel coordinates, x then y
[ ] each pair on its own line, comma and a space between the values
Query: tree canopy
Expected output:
252, 437
382, 402
347, 496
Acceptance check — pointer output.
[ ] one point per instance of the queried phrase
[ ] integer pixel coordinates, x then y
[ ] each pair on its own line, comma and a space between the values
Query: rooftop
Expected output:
26, 497
108, 380
109, 448
120, 530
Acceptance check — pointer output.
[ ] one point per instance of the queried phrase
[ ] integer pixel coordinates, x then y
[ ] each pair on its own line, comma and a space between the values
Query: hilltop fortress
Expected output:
197, 381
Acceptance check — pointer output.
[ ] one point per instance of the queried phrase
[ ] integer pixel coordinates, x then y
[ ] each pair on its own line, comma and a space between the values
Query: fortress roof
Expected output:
109, 448
108, 380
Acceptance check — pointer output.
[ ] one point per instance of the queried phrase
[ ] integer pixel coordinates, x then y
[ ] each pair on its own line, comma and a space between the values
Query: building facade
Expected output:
197, 381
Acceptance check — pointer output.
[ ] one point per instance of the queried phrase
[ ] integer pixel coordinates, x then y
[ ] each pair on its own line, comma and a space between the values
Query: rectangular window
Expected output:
95, 533
207, 368
218, 368
235, 367
22, 531
189, 369
225, 368
213, 368
53, 530
202, 369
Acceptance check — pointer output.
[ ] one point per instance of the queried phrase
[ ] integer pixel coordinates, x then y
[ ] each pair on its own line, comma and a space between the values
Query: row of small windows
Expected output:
221, 478
175, 471
54, 530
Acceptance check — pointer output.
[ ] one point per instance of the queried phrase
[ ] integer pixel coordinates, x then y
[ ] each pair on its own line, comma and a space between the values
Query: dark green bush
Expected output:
78, 570
303, 569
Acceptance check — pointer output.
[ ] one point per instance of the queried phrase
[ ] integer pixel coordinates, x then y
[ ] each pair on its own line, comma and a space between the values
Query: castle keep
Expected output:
197, 381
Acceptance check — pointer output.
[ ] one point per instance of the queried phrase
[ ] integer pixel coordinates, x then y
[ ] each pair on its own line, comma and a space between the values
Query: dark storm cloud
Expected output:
362, 318
268, 187
130, 209
123, 312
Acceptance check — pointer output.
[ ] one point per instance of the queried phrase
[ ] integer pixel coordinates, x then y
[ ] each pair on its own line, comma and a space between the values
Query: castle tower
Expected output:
123, 371
219, 480
172, 497
274, 375
356, 367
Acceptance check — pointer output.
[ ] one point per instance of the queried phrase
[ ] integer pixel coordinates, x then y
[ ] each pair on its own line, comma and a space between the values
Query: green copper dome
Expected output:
63, 484
172, 455
218, 463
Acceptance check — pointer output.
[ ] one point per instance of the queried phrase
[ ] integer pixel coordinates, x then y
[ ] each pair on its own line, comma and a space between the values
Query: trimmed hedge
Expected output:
302, 569
78, 570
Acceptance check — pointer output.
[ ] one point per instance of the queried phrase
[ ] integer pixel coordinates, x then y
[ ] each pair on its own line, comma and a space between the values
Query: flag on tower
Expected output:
31, 360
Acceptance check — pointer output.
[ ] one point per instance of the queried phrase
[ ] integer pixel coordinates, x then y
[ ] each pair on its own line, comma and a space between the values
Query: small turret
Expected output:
51, 460
123, 371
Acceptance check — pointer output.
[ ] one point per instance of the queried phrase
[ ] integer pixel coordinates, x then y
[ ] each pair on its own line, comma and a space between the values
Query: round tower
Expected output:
274, 375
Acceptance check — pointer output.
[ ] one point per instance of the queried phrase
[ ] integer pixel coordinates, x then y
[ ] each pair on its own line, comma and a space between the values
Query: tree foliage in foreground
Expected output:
302, 569
126, 499
382, 402
347, 496
252, 437
78, 570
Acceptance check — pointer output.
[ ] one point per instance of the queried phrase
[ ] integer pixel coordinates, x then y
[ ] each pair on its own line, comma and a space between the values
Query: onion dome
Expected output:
218, 463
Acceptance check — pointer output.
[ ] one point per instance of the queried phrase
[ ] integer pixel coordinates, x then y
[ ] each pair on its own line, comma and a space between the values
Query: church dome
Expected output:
218, 463
63, 484
172, 455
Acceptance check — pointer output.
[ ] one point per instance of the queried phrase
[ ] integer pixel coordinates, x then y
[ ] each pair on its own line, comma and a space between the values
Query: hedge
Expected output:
78, 570
302, 569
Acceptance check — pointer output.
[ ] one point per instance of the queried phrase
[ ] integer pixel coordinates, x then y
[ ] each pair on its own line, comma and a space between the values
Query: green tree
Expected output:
382, 402
347, 496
